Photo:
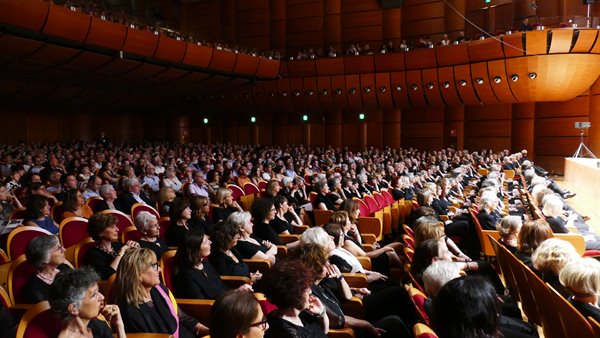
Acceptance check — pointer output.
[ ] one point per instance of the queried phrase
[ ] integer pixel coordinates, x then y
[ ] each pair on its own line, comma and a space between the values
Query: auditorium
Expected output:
299, 168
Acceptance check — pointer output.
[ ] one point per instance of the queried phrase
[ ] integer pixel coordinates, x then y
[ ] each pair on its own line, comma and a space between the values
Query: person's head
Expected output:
94, 183
317, 235
74, 294
553, 206
552, 255
103, 227
200, 206
243, 220
166, 194
426, 253
225, 236
107, 192
532, 234
428, 230
281, 204
237, 314
195, 247
68, 181
147, 224
73, 200
423, 211
287, 284
582, 277
488, 202
341, 218
336, 231
45, 250
321, 187
180, 210
37, 206
223, 196
352, 208
314, 257
132, 184
424, 197
466, 307
263, 210
273, 188
437, 275
509, 227
138, 271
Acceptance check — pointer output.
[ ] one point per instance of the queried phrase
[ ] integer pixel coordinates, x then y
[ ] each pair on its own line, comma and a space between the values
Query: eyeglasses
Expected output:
262, 324
155, 266
94, 295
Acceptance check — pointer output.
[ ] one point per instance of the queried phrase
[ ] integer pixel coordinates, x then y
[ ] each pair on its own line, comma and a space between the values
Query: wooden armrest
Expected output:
368, 247
369, 238
289, 238
576, 239
356, 280
234, 282
262, 265
299, 230
282, 251
341, 333
197, 308
573, 229
365, 262
354, 307
371, 225
4, 275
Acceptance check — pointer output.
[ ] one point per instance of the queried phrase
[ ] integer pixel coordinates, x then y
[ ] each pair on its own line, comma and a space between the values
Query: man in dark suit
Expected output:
132, 194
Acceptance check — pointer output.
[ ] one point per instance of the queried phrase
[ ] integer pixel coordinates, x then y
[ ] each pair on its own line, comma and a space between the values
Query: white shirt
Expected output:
152, 182
173, 183
349, 258
88, 193
196, 190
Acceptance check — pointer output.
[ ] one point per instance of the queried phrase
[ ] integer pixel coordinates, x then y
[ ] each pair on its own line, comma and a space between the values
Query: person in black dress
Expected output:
249, 246
263, 211
285, 217
194, 276
582, 278
105, 256
237, 314
299, 314
75, 297
47, 256
180, 216
509, 228
201, 219
145, 303
322, 201
226, 205
224, 256
531, 235
147, 225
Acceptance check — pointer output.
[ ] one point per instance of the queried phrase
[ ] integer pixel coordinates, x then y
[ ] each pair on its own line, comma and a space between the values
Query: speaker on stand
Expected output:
589, 4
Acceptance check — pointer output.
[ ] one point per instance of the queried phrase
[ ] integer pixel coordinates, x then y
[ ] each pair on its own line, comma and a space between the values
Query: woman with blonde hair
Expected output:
201, 219
146, 305
508, 228
582, 278
550, 258
225, 205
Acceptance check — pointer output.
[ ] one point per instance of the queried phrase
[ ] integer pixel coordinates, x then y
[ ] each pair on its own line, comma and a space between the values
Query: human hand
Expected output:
375, 331
315, 306
267, 244
362, 291
332, 271
255, 276
112, 314
132, 244
245, 287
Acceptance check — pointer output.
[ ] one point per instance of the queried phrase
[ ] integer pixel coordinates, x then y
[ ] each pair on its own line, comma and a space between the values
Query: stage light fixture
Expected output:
247, 95
414, 86
352, 91
430, 86
284, 93
382, 89
514, 77
296, 93
398, 88
462, 83
479, 81
532, 75
205, 120
304, 118
253, 119
361, 116
324, 92
310, 92
497, 79
338, 91
446, 85
272, 94
368, 90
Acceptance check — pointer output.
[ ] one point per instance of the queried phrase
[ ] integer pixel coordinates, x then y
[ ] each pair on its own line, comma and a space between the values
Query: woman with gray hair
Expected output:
582, 278
147, 224
550, 258
553, 211
249, 245
109, 196
75, 297
488, 217
47, 256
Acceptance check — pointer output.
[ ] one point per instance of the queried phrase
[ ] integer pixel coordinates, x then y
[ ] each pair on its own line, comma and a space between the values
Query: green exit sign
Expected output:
488, 1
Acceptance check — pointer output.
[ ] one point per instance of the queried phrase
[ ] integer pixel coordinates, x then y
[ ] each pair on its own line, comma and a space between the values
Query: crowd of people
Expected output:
306, 289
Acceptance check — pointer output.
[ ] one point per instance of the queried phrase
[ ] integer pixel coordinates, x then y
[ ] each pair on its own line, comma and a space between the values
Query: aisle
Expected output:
585, 205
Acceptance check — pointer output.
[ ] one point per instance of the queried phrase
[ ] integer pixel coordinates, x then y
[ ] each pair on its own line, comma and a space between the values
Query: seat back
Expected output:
418, 299
262, 185
423, 331
380, 199
549, 314
371, 203
164, 223
509, 278
573, 323
81, 249
408, 241
408, 231
167, 264
19, 238
39, 322
388, 197
19, 273
528, 301
236, 191
3, 257
18, 213
56, 212
93, 202
123, 221
72, 230
322, 216
250, 189
365, 211
312, 196
139, 207
595, 326
130, 234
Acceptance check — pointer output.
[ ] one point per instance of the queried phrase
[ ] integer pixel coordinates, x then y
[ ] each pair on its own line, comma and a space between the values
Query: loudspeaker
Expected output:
391, 3
589, 2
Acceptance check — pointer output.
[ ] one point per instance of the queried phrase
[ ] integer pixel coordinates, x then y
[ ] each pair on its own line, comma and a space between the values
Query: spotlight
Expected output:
296, 93
361, 116
304, 118
272, 94
398, 88
514, 77
284, 93
352, 91
253, 119
205, 120
497, 79
462, 83
446, 84
310, 92
382, 89
368, 89
338, 91
532, 75
479, 81
324, 92
414, 86
430, 86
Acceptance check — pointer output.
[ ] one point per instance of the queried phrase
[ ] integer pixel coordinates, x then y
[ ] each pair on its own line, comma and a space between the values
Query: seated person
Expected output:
553, 210
582, 278
75, 297
180, 215
105, 256
226, 205
74, 206
145, 303
38, 214
263, 211
166, 196
237, 314
280, 223
249, 246
551, 257
147, 224
531, 235
201, 219
47, 256
509, 228
109, 198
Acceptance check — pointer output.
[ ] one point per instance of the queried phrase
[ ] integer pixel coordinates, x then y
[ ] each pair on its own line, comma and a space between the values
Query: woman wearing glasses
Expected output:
237, 314
75, 297
146, 305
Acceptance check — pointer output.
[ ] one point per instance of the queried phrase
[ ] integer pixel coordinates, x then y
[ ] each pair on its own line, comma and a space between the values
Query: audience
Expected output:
147, 224
582, 278
237, 314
